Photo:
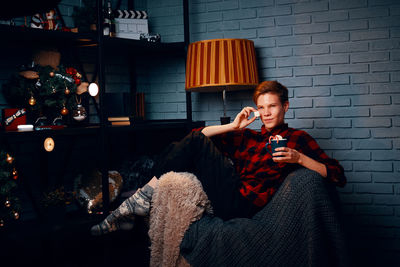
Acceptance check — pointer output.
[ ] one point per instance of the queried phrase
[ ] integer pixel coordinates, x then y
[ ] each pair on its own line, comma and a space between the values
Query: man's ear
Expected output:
286, 106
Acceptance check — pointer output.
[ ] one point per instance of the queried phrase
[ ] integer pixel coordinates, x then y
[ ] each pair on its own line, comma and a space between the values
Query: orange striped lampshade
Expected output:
221, 64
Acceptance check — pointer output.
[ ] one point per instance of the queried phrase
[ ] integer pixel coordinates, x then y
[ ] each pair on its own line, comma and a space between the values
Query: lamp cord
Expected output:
224, 101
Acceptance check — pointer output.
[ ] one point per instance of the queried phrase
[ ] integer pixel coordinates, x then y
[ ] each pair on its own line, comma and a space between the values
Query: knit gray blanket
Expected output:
301, 226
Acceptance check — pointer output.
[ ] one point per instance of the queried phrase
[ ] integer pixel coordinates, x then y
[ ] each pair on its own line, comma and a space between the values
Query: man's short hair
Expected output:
273, 87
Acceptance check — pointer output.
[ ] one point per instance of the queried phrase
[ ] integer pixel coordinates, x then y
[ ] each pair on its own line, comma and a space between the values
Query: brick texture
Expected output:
350, 50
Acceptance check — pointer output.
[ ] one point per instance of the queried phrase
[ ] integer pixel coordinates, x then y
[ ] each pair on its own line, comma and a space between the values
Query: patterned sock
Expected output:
137, 204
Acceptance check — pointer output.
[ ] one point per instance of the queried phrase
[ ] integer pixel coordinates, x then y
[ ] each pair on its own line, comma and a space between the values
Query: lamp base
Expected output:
225, 120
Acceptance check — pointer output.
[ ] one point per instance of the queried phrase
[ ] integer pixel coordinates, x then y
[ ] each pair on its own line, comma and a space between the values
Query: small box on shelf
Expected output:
12, 117
130, 24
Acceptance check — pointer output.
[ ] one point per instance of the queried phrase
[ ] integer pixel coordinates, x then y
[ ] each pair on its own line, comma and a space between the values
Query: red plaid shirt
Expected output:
260, 175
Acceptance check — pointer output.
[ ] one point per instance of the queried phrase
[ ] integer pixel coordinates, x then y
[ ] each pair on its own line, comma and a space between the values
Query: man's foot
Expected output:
137, 204
108, 225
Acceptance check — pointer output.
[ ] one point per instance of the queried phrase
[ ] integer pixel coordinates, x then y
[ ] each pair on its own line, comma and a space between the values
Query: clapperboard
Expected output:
130, 23
130, 14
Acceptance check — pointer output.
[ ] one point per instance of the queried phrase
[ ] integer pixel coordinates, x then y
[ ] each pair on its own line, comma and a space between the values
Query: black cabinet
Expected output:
62, 237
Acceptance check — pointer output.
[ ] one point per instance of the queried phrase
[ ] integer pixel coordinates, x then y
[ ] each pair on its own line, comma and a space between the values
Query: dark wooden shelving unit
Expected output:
100, 136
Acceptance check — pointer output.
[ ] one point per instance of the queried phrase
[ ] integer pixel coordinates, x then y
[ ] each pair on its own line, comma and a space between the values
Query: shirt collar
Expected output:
277, 130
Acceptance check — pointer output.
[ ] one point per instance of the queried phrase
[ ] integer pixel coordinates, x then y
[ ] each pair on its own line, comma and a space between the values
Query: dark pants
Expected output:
197, 154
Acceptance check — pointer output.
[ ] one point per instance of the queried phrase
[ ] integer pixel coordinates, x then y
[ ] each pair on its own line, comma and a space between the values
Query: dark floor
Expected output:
69, 243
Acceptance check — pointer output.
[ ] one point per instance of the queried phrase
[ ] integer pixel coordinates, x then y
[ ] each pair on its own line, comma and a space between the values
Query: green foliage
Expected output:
48, 91
8, 190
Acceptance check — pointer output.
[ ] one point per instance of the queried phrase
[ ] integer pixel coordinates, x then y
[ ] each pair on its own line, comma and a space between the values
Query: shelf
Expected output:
88, 130
137, 46
25, 34
156, 125
78, 147
95, 128
31, 35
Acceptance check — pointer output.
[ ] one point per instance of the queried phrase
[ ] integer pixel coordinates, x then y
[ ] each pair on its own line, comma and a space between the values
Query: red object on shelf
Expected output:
12, 117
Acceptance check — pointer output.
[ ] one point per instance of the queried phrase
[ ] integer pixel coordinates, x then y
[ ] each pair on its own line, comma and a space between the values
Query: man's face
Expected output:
272, 111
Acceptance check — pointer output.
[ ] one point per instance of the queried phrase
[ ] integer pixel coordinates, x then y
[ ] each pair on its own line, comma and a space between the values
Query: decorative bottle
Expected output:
109, 21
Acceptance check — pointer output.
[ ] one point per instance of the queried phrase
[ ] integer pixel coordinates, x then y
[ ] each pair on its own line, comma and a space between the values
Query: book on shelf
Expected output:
120, 123
121, 118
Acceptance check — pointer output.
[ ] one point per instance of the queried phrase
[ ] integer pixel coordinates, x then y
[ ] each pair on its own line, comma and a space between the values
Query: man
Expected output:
232, 163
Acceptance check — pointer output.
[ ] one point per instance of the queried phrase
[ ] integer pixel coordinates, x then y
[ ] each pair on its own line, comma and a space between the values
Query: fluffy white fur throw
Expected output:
178, 201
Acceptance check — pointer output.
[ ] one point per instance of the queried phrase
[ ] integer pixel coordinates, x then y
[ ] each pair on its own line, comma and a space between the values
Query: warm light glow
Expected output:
48, 144
93, 89
9, 159
221, 64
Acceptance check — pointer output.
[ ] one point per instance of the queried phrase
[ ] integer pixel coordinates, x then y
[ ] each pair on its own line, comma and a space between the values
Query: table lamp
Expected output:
221, 65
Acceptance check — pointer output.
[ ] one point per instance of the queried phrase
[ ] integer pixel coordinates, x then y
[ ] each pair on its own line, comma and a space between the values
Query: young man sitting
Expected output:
232, 162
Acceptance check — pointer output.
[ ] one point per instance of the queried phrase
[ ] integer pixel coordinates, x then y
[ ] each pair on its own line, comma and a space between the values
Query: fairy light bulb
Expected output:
15, 174
93, 89
64, 111
9, 159
32, 101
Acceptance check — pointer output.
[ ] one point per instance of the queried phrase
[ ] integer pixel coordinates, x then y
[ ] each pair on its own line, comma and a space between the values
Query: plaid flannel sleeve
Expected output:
228, 142
335, 172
